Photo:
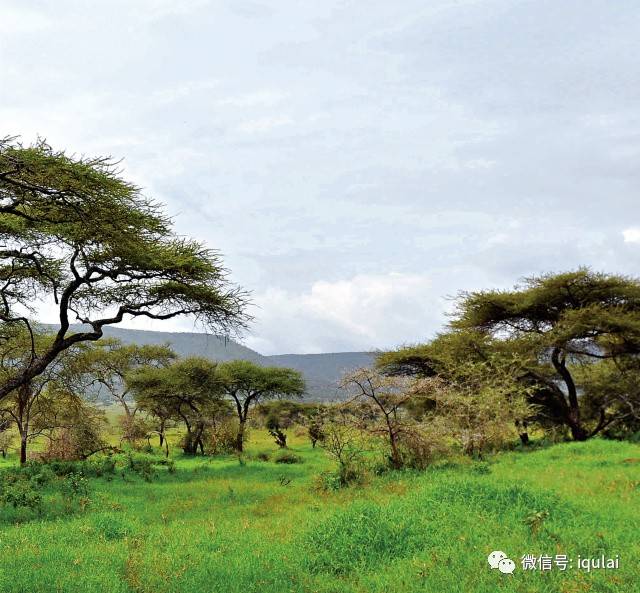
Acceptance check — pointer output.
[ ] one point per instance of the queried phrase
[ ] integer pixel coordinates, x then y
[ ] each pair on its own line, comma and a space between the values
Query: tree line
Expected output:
558, 353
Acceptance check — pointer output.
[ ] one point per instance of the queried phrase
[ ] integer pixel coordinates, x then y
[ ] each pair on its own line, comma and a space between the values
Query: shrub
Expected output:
481, 467
346, 445
38, 473
328, 482
63, 468
42, 476
288, 457
76, 485
221, 438
143, 466
80, 439
21, 493
420, 447
535, 521
106, 466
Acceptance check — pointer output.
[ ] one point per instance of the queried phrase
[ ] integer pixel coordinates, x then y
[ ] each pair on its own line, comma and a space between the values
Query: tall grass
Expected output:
218, 526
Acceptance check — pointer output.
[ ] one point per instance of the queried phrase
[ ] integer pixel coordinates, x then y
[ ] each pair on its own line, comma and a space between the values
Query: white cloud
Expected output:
175, 92
17, 19
256, 99
365, 312
631, 235
264, 124
480, 164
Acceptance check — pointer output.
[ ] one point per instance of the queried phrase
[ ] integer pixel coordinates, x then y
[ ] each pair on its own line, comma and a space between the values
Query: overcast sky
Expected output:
356, 162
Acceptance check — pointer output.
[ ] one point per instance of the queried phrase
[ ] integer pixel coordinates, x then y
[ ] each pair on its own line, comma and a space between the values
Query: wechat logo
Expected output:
500, 561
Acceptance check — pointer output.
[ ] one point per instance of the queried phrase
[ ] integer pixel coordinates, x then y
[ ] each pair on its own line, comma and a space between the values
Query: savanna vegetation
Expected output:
126, 468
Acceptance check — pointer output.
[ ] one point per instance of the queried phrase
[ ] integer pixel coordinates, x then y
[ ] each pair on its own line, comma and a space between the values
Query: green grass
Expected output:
218, 526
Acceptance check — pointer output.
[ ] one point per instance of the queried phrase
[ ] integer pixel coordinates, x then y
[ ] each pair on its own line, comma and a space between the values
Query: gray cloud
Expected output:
342, 146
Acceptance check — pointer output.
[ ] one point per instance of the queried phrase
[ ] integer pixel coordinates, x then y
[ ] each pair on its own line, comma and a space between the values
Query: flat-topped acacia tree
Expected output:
565, 322
109, 362
570, 342
247, 384
75, 235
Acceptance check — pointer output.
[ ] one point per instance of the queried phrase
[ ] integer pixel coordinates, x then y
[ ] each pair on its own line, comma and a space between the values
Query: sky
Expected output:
357, 163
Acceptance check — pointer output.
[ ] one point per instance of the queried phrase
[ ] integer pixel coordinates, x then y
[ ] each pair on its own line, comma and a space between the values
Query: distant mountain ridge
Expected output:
322, 372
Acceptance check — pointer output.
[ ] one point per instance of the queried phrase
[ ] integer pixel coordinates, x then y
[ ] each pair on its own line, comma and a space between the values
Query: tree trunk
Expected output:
240, 437
396, 459
573, 420
578, 432
161, 433
523, 433
23, 448
190, 446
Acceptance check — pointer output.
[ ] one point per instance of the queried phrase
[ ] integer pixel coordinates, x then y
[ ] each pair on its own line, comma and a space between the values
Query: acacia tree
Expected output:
562, 321
187, 390
479, 416
74, 234
388, 396
466, 363
247, 384
551, 337
72, 426
110, 361
107, 365
29, 408
615, 386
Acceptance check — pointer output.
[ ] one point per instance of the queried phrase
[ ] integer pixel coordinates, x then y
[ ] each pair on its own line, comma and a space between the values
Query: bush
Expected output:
105, 466
143, 466
21, 493
63, 468
76, 485
42, 477
346, 445
221, 438
328, 482
39, 474
421, 447
481, 467
288, 457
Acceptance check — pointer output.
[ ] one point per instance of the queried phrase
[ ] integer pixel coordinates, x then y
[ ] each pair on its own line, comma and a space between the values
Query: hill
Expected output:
322, 372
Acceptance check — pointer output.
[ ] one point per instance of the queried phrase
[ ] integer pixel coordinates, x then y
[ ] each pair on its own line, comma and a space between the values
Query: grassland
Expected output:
218, 526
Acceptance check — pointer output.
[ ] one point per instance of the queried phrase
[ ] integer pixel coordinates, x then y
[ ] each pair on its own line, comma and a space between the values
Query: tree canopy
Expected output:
553, 329
248, 384
187, 390
37, 408
76, 235
110, 361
